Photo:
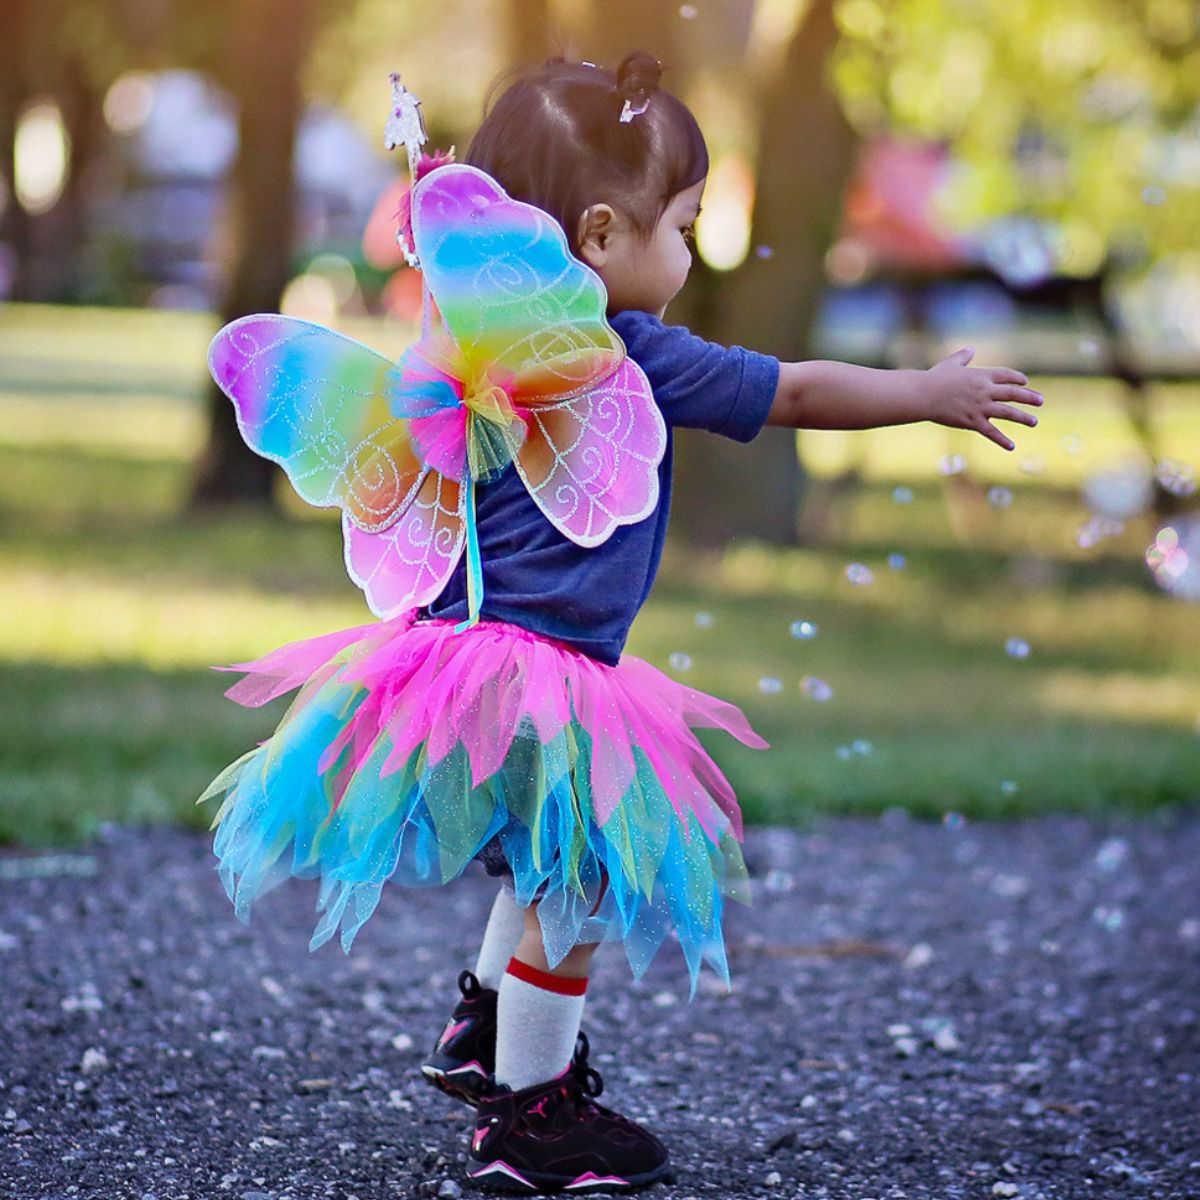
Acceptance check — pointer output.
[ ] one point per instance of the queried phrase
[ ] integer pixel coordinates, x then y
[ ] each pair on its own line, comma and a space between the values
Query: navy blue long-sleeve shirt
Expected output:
538, 578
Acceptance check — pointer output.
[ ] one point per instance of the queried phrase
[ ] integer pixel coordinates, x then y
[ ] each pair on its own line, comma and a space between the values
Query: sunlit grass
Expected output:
116, 604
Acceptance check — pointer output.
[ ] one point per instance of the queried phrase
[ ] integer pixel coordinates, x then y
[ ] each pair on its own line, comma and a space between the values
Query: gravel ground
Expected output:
918, 1011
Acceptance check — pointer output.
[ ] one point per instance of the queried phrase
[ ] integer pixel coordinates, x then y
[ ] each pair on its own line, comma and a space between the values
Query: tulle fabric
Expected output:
410, 746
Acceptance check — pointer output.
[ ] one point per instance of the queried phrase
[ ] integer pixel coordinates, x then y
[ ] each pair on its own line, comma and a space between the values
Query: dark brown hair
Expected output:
554, 138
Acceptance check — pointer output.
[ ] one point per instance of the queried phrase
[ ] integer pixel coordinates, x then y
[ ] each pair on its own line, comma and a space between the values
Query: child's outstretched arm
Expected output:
834, 395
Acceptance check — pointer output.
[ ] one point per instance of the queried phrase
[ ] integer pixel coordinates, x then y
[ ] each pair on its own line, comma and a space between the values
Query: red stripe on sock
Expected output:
546, 981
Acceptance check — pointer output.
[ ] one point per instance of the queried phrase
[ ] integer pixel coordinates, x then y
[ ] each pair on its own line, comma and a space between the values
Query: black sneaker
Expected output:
552, 1138
464, 1058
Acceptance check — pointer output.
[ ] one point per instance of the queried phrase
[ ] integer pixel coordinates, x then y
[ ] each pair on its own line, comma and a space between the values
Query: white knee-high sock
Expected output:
505, 926
537, 1020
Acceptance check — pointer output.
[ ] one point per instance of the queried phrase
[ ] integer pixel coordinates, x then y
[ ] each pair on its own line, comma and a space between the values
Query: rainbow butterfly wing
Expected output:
524, 312
411, 561
316, 403
521, 309
325, 408
594, 464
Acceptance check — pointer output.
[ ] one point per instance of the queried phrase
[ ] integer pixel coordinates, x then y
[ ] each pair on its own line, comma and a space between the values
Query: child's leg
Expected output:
464, 1055
505, 927
542, 1132
539, 1009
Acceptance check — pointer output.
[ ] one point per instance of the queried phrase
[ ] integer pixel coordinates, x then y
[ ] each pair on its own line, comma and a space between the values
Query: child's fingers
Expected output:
1006, 375
993, 434
1004, 413
1018, 395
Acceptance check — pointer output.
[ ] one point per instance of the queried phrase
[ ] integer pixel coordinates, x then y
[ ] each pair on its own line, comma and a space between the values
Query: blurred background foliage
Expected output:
890, 180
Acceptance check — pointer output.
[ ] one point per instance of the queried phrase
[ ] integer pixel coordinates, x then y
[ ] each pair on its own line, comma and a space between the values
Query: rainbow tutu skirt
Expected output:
410, 747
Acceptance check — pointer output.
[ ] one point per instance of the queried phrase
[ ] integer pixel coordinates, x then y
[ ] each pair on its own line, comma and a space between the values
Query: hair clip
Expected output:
631, 110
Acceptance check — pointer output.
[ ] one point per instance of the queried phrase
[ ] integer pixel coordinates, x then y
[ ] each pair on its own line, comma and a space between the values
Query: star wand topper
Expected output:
406, 127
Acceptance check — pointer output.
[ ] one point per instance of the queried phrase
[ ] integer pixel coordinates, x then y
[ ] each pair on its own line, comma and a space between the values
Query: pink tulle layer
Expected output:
428, 684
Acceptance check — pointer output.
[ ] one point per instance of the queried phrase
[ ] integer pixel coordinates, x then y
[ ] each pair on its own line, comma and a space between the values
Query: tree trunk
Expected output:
271, 38
65, 225
806, 155
528, 34
14, 92
616, 27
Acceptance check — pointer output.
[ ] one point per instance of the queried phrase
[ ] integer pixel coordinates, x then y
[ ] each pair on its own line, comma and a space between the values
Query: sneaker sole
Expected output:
498, 1176
458, 1080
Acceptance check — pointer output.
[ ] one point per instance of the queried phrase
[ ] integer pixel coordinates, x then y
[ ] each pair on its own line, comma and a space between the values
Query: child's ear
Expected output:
593, 232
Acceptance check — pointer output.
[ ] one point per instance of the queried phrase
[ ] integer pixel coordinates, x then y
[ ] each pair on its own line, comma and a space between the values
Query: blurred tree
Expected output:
265, 69
1084, 114
612, 28
609, 32
70, 52
269, 40
805, 152
529, 32
67, 52
15, 90
805, 155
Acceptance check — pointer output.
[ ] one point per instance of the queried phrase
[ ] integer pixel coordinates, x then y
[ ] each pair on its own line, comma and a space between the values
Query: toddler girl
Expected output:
422, 742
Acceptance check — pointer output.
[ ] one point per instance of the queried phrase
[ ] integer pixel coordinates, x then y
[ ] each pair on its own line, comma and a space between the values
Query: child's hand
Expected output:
972, 397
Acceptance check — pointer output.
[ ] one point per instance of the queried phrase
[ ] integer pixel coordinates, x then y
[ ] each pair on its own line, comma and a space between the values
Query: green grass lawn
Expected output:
115, 606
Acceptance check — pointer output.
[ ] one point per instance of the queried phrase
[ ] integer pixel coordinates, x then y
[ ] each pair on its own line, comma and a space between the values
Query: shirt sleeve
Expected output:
699, 384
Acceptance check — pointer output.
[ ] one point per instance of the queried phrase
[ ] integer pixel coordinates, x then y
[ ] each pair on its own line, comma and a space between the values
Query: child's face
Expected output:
638, 273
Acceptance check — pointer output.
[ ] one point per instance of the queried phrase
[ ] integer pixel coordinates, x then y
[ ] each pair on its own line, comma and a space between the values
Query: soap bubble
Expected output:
861, 746
897, 562
1175, 477
1120, 491
952, 464
1072, 443
1153, 195
764, 252
779, 881
802, 631
903, 495
1112, 853
680, 661
844, 753
1019, 248
1174, 557
1096, 530
1016, 648
859, 574
1009, 787
953, 820
704, 620
1035, 464
769, 686
689, 12
999, 497
1108, 916
1089, 347
816, 688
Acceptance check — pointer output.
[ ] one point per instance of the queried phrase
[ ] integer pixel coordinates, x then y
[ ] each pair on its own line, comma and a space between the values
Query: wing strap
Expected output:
474, 560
